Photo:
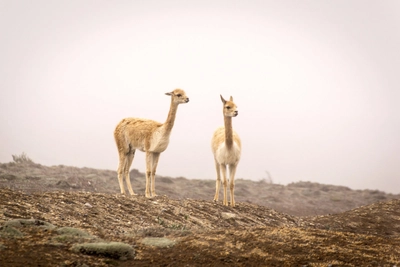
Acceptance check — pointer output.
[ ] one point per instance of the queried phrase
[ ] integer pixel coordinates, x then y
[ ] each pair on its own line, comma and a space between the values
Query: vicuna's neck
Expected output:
169, 123
228, 132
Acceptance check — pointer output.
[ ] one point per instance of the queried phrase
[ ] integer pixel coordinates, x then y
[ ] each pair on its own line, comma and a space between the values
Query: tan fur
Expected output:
226, 147
148, 136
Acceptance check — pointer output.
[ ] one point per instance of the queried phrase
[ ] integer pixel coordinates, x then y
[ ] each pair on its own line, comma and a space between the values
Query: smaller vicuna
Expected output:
226, 147
148, 136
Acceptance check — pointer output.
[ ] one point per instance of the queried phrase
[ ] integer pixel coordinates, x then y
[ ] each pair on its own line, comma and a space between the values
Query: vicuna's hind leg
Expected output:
129, 159
121, 170
218, 182
125, 161
232, 171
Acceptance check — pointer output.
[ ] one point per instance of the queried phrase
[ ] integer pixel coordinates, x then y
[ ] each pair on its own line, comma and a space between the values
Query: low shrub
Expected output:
10, 232
29, 222
23, 158
114, 250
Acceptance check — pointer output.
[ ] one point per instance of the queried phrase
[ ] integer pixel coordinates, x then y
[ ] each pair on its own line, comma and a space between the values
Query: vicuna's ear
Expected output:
222, 99
231, 99
169, 93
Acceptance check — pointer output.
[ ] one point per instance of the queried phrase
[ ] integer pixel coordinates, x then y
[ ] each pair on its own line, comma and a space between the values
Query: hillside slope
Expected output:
179, 232
300, 199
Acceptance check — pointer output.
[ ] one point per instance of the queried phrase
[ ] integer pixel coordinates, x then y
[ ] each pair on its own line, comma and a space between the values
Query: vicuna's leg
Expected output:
223, 168
154, 162
129, 159
232, 171
121, 170
148, 173
218, 182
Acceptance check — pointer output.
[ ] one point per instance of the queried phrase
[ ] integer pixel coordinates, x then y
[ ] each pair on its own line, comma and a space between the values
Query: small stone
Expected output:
88, 205
227, 215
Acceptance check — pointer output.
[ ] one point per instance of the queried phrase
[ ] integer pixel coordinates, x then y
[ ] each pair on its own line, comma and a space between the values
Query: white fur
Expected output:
225, 156
159, 141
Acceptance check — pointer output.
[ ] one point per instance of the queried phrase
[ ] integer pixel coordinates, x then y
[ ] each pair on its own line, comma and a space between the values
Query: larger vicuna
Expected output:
148, 136
226, 147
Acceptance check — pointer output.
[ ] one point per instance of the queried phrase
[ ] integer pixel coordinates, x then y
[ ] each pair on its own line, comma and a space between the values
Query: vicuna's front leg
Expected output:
148, 173
232, 171
154, 162
223, 169
151, 167
218, 182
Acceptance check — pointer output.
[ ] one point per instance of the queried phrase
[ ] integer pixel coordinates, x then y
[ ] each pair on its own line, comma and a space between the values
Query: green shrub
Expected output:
72, 239
158, 242
114, 250
72, 232
73, 235
10, 232
29, 222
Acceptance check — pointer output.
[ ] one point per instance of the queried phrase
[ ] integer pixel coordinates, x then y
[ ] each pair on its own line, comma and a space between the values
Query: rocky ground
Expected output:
65, 216
300, 198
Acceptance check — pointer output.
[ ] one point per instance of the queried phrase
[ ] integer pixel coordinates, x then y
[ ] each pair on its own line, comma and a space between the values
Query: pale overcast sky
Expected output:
316, 83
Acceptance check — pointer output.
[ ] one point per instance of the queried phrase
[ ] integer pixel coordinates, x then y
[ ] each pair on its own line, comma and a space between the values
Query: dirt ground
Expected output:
201, 233
45, 228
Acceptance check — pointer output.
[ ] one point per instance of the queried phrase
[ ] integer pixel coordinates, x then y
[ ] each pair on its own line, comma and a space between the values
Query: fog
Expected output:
316, 84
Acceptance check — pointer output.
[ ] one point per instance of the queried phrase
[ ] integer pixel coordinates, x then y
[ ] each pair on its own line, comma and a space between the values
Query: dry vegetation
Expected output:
74, 217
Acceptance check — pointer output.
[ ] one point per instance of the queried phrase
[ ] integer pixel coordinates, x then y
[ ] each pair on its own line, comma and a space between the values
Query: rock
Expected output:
227, 215
63, 184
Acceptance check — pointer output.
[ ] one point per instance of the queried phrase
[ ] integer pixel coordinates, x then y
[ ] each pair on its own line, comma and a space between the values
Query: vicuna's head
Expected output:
178, 96
230, 108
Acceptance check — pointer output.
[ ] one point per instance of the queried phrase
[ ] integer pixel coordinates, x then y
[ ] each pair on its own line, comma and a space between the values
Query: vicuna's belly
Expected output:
228, 156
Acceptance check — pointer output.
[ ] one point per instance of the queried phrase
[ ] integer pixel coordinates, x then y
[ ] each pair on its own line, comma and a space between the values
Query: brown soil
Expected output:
174, 230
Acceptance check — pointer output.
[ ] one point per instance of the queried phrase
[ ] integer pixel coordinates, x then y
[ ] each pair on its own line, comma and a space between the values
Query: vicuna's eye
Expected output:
178, 95
228, 107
